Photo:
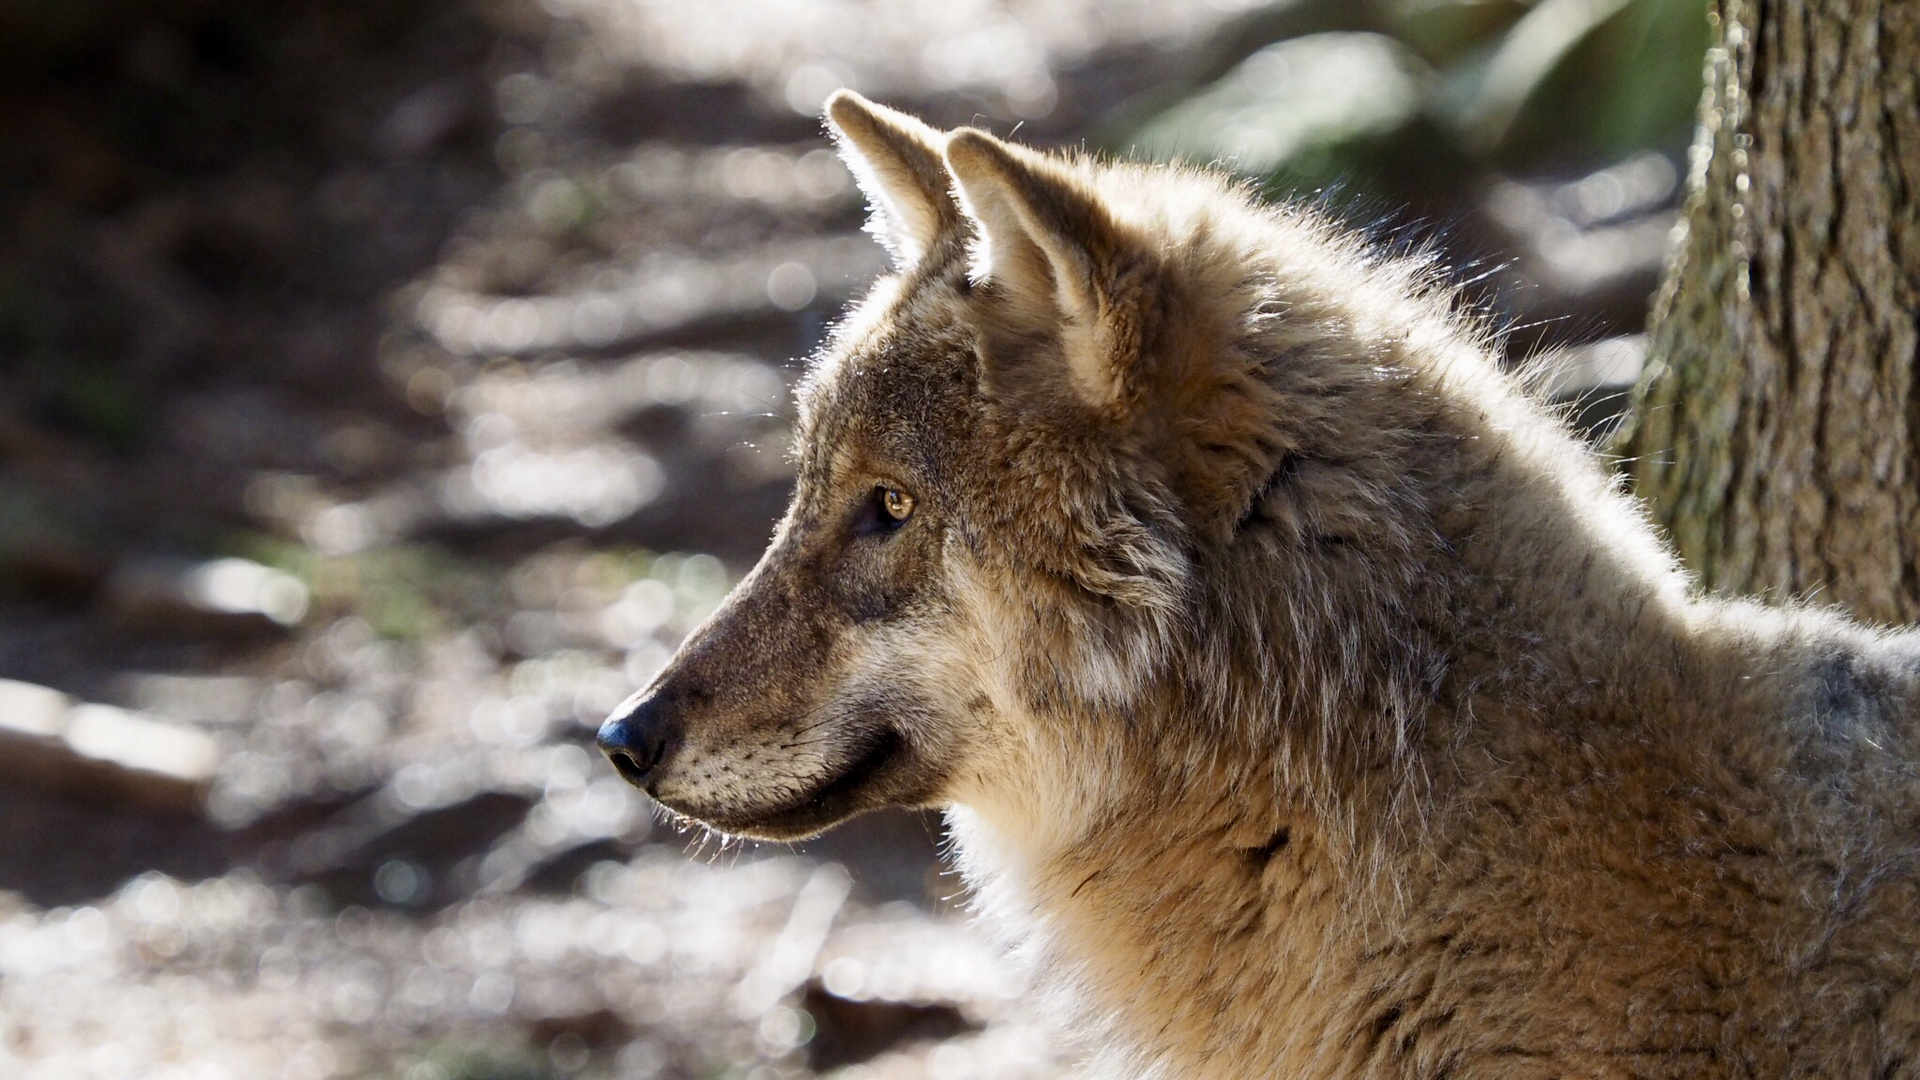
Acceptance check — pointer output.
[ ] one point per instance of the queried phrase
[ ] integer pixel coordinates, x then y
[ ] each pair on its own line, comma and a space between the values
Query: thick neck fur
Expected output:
1428, 585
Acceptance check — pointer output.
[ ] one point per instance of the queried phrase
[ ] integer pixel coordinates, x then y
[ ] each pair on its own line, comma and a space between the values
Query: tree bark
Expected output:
1777, 431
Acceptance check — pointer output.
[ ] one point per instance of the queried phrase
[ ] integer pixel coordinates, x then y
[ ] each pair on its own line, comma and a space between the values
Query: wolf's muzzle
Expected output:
637, 736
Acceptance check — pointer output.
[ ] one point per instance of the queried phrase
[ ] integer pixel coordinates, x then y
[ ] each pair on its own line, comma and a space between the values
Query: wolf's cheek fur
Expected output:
1040, 657
1051, 647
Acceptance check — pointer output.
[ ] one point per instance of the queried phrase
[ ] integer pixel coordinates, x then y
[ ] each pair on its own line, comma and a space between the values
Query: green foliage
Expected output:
71, 358
1419, 88
414, 592
457, 1062
1658, 48
94, 397
41, 546
1299, 104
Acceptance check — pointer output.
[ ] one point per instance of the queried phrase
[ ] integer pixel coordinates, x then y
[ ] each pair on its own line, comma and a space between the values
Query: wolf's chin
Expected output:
882, 772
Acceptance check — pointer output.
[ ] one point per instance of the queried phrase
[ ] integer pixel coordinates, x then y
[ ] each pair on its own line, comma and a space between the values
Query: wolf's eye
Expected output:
898, 504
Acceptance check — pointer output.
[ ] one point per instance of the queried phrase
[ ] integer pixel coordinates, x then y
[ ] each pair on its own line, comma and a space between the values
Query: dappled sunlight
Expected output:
391, 388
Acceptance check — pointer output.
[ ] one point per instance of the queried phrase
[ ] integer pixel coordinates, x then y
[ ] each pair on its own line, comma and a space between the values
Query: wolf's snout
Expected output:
637, 736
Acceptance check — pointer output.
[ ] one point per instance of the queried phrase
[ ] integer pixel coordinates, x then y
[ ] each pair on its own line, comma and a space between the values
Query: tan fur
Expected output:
1304, 696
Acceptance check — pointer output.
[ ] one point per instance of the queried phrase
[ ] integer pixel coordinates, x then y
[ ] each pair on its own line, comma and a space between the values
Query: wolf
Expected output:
1300, 692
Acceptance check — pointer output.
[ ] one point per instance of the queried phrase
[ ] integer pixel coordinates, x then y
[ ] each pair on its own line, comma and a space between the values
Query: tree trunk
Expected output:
1778, 424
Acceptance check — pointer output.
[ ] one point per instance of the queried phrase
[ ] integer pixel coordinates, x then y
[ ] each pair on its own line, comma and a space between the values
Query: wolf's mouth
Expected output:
877, 775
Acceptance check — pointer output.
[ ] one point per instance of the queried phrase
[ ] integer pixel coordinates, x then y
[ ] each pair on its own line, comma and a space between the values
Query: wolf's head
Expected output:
1012, 454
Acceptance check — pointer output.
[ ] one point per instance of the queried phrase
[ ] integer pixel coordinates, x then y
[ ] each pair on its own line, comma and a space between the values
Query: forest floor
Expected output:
387, 388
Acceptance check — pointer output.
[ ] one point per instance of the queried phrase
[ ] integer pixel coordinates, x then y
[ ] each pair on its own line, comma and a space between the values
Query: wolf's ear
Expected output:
1047, 246
896, 161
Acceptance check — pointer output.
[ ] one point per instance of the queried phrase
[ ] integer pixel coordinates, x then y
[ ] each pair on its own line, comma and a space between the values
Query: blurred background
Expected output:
387, 385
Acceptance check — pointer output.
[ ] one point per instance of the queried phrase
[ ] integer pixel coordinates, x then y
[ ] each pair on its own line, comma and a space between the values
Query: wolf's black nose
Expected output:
635, 738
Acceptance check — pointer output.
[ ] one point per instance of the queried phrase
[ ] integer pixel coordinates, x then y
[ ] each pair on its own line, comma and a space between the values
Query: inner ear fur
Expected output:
897, 162
1058, 262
